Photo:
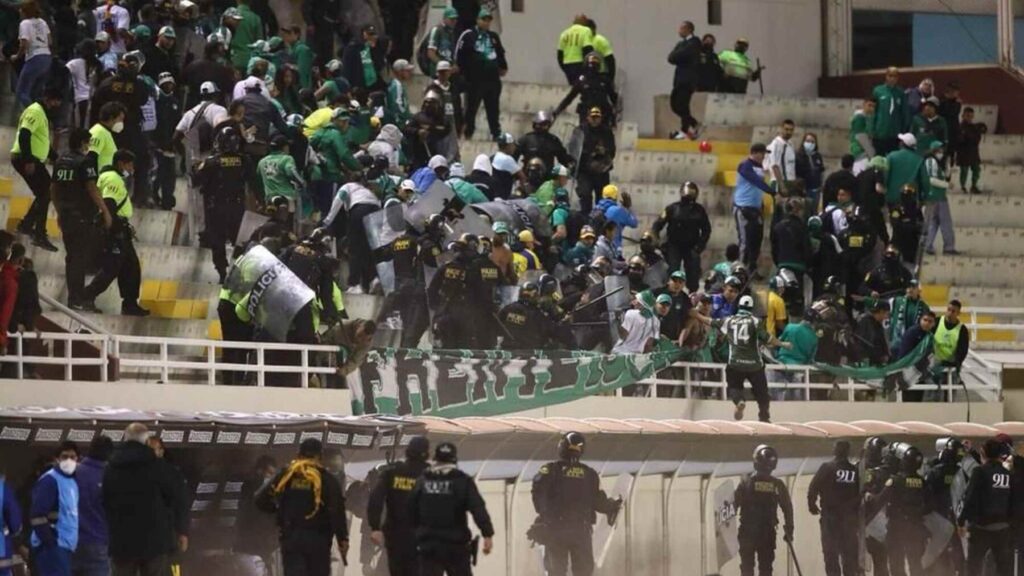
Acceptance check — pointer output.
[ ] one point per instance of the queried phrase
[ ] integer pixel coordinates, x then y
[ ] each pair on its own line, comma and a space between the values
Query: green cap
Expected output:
484, 14
233, 13
450, 13
142, 31
500, 227
273, 43
664, 299
646, 299
935, 145
678, 275
340, 113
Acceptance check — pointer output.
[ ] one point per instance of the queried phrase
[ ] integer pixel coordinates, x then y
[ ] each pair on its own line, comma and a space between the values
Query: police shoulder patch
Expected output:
544, 469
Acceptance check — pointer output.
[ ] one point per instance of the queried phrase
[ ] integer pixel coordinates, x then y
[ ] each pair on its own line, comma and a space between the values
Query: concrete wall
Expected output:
643, 34
943, 6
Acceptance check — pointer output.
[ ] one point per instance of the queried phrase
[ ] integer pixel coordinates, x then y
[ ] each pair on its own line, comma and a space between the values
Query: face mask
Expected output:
810, 146
68, 466
126, 174
117, 127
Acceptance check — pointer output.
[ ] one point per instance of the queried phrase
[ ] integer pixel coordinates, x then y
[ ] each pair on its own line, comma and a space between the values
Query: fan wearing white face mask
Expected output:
101, 142
53, 516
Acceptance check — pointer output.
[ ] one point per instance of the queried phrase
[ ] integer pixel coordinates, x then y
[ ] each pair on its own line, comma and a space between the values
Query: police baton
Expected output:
760, 77
599, 299
474, 549
792, 553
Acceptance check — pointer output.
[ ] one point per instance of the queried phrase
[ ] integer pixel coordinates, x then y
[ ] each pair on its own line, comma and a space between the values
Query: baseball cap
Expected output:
746, 303
610, 191
102, 37
437, 161
931, 100
274, 43
678, 275
142, 31
908, 140
208, 88
334, 65
500, 227
233, 13
935, 145
164, 78
167, 32
484, 14
450, 13
506, 138
742, 41
560, 170
407, 185
664, 299
444, 65
340, 113
526, 236
587, 232
401, 64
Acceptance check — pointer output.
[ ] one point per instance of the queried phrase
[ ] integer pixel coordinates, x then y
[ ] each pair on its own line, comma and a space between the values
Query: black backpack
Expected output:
597, 220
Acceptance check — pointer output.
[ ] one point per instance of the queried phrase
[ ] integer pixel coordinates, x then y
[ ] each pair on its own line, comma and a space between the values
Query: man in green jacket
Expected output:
248, 31
298, 53
278, 171
862, 126
891, 115
331, 142
396, 106
738, 69
906, 166
803, 348
907, 311
928, 127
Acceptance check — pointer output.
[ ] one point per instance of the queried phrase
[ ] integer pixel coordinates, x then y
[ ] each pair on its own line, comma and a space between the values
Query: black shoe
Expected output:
86, 306
25, 227
133, 309
43, 242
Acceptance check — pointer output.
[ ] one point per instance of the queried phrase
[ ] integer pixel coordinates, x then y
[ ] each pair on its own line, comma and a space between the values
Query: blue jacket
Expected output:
613, 212
10, 522
750, 185
92, 519
721, 308
424, 178
54, 512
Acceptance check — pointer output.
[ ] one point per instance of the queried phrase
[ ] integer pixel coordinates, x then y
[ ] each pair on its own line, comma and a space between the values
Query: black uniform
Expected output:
837, 483
867, 196
688, 232
567, 496
890, 277
596, 161
448, 293
543, 145
875, 479
308, 521
438, 506
595, 90
118, 260
317, 269
938, 482
987, 507
221, 179
757, 499
907, 219
393, 488
76, 214
906, 506
832, 325
409, 255
529, 326
128, 89
482, 282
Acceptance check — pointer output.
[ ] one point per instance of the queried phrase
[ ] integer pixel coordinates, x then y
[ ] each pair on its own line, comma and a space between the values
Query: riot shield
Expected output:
275, 293
727, 541
603, 533
940, 532
251, 221
520, 214
433, 201
617, 302
380, 235
471, 222
878, 527
656, 276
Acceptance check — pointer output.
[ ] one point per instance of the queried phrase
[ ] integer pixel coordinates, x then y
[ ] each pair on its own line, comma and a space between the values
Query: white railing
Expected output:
67, 359
974, 325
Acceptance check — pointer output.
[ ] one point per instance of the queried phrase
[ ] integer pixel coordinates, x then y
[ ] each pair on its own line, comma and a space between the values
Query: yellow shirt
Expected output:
316, 120
35, 121
111, 185
603, 47
102, 143
572, 41
776, 314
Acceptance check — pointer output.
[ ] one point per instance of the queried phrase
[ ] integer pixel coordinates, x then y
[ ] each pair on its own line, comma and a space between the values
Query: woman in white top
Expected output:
83, 70
34, 50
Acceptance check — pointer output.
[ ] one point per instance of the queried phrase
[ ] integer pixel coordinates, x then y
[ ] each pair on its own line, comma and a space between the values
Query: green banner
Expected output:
874, 375
455, 383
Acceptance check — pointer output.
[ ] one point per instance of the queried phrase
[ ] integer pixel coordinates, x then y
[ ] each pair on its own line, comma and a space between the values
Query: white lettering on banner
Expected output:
362, 440
9, 433
229, 437
337, 438
200, 505
232, 487
846, 476
173, 436
257, 437
1001, 481
115, 435
48, 434
81, 435
200, 436
284, 438
318, 435
207, 488
229, 504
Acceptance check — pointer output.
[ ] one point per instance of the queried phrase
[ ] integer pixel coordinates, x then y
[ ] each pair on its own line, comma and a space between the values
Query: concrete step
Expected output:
182, 263
983, 272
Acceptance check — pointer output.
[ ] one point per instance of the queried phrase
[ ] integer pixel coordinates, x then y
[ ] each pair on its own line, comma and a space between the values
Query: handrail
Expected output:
60, 307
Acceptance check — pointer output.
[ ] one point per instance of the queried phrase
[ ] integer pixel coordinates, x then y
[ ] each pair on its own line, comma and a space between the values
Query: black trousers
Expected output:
306, 553
588, 187
572, 72
361, 269
166, 177
999, 542
680, 103
79, 233
686, 258
439, 559
159, 566
118, 262
488, 92
885, 145
757, 548
233, 330
839, 544
731, 85
567, 547
39, 183
402, 558
879, 557
734, 380
906, 544
750, 228
222, 222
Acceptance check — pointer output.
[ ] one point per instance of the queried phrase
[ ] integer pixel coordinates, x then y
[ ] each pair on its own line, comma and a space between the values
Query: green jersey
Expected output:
905, 167
805, 344
280, 176
396, 106
861, 123
248, 31
745, 335
937, 182
891, 113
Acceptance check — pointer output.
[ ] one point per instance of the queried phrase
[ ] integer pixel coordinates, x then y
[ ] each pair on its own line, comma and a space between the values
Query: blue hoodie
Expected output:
613, 212
92, 519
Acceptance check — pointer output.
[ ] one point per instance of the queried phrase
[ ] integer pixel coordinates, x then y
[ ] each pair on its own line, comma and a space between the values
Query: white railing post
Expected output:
211, 359
305, 368
68, 374
104, 374
165, 373
260, 367
21, 355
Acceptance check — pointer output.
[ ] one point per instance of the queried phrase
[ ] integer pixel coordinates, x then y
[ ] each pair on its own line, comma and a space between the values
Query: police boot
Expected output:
133, 309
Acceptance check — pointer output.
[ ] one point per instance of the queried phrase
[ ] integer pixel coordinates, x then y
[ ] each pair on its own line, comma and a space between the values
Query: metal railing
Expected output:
975, 325
66, 358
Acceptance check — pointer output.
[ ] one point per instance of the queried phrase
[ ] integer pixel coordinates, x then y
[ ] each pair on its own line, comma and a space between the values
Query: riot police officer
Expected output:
595, 90
393, 488
311, 261
938, 482
526, 326
541, 143
758, 499
837, 484
858, 244
688, 232
449, 292
890, 277
482, 282
876, 474
567, 496
987, 512
410, 254
118, 260
221, 180
831, 323
906, 504
78, 203
907, 219
442, 497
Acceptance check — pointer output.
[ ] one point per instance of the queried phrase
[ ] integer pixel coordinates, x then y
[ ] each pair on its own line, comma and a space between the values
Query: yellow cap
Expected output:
610, 191
374, 122
526, 236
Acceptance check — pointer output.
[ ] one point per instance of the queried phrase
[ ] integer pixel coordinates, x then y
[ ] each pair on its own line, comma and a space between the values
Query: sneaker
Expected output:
133, 309
740, 407
43, 242
375, 287
676, 135
950, 252
87, 306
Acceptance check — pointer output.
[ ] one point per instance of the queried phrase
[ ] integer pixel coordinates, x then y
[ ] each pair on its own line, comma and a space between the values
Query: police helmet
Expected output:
547, 284
734, 282
814, 223
951, 450
446, 453
739, 270
765, 458
601, 265
647, 238
536, 165
788, 278
570, 446
909, 457
418, 449
528, 292
637, 262
228, 140
831, 284
433, 222
470, 241
542, 117
689, 190
874, 450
